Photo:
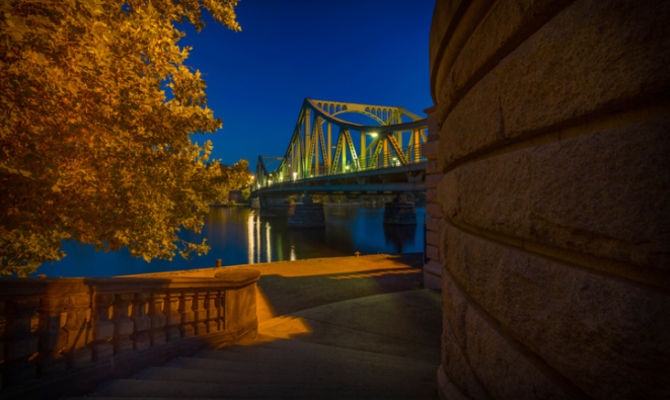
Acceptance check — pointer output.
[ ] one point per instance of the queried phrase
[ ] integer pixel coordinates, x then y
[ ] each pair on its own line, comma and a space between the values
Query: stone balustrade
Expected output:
78, 331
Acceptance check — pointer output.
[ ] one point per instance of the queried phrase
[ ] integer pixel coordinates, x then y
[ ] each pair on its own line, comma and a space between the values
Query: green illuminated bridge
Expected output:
386, 156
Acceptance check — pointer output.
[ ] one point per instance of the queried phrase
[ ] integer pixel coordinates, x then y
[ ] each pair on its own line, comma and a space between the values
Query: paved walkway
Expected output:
346, 327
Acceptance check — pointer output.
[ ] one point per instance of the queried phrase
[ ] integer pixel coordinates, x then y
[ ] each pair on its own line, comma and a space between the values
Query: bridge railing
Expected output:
414, 154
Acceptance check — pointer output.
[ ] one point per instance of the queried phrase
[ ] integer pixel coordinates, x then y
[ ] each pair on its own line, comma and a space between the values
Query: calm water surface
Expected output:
239, 235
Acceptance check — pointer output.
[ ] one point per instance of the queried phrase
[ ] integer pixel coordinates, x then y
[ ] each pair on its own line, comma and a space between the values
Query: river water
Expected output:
239, 235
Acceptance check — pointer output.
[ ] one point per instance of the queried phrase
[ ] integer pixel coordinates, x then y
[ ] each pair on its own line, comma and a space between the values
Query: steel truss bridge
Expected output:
387, 157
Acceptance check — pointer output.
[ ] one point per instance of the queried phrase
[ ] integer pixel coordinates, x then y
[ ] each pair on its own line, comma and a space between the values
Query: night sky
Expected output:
361, 51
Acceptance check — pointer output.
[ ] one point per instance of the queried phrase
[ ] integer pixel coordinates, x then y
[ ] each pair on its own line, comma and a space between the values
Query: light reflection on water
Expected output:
241, 236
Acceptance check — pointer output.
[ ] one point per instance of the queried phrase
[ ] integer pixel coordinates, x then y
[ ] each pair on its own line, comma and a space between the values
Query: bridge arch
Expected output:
358, 148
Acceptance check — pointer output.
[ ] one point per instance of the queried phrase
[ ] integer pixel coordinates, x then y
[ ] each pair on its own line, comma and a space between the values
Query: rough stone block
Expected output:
455, 364
502, 27
434, 210
432, 180
432, 272
504, 369
431, 195
432, 238
432, 167
610, 53
603, 194
607, 335
433, 253
444, 13
430, 150
432, 224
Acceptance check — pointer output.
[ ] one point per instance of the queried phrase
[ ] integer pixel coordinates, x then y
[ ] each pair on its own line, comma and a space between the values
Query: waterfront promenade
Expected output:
343, 327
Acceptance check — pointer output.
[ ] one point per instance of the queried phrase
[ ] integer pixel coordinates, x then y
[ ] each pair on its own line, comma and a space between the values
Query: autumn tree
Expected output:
236, 176
97, 107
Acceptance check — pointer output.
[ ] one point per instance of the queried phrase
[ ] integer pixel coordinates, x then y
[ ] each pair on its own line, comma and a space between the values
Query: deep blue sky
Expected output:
363, 51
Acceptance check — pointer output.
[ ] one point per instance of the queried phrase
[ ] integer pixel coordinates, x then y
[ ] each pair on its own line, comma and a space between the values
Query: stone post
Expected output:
103, 326
174, 321
3, 330
200, 312
142, 321
78, 327
159, 318
21, 339
187, 314
53, 335
123, 324
212, 311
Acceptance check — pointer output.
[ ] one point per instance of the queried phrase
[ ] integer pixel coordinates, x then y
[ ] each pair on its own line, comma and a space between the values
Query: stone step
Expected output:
213, 376
351, 370
302, 389
310, 352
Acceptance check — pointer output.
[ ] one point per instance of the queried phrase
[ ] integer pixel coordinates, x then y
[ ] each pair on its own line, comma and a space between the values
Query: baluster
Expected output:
221, 309
53, 336
212, 312
123, 324
103, 326
187, 314
77, 325
142, 321
3, 329
158, 318
21, 340
174, 316
200, 312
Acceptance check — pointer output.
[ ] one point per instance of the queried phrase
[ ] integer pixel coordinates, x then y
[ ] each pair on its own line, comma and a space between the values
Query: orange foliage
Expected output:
91, 149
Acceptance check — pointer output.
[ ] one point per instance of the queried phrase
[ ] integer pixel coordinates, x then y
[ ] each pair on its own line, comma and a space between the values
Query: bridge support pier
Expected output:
399, 212
306, 214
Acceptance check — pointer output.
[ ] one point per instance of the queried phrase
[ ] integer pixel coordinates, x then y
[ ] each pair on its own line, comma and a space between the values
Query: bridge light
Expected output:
373, 134
269, 182
295, 176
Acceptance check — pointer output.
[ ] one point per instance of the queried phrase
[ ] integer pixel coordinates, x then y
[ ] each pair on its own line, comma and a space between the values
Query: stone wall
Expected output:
63, 336
552, 214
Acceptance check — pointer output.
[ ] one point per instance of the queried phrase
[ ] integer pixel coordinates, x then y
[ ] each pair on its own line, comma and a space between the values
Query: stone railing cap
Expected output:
239, 276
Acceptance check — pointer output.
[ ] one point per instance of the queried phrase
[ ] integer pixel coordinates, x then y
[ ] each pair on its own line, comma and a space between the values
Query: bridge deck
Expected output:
394, 179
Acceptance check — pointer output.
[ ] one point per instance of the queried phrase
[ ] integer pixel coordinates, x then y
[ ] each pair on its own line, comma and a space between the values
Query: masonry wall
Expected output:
552, 120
